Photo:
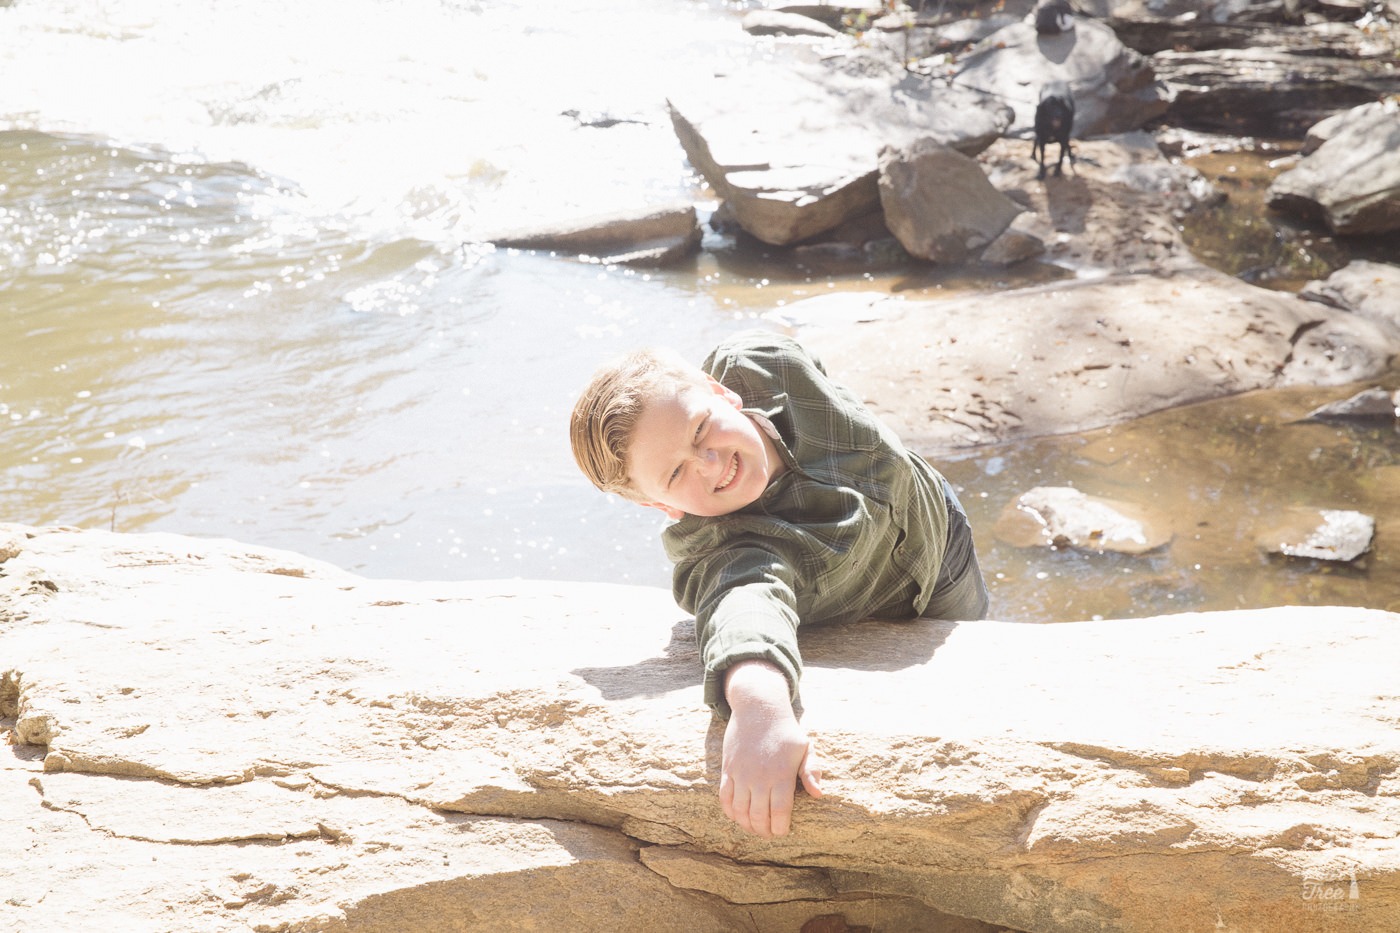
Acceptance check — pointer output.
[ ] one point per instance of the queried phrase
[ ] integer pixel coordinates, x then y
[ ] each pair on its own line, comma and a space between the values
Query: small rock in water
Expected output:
11, 543
1322, 534
778, 23
1062, 516
1376, 403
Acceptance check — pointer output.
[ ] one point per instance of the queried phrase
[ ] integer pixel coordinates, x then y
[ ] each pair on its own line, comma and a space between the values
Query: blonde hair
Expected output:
605, 416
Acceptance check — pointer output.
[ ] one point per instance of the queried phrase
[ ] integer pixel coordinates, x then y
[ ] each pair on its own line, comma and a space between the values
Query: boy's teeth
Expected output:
729, 477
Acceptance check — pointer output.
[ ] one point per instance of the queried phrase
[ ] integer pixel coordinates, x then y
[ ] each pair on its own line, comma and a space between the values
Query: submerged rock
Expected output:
1061, 516
1321, 534
1372, 404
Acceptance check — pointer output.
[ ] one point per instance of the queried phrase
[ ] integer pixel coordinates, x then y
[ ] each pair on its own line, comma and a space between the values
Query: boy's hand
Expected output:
765, 751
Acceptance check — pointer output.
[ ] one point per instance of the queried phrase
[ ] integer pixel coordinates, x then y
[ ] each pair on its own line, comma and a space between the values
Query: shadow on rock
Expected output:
1068, 200
678, 668
874, 646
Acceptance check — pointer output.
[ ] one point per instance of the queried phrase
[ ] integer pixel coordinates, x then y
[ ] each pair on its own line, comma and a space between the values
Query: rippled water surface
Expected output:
237, 303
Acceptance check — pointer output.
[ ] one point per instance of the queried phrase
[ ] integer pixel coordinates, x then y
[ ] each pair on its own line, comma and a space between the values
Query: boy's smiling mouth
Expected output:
729, 477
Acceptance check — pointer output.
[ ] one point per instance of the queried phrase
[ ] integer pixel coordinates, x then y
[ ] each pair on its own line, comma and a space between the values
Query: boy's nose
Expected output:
709, 460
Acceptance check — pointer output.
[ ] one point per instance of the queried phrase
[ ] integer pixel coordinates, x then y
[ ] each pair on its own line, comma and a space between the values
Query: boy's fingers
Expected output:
811, 772
726, 794
781, 804
738, 809
760, 815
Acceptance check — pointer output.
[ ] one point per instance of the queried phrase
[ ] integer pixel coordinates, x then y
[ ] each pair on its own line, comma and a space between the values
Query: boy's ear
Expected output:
673, 513
723, 391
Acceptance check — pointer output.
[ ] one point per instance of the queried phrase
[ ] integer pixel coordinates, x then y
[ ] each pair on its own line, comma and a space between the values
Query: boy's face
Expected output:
696, 453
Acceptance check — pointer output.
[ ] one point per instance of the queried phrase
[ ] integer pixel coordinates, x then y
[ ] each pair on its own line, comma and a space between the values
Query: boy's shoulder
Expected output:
760, 359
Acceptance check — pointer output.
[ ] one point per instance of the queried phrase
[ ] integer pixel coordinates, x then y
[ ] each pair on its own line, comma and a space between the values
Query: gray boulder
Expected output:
1352, 181
939, 203
1266, 91
1369, 289
1200, 34
1362, 116
919, 34
793, 149
1017, 243
834, 14
1115, 89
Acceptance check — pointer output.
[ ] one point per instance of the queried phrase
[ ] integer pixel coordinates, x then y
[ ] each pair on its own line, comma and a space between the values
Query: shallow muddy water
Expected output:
238, 304
1219, 472
1272, 249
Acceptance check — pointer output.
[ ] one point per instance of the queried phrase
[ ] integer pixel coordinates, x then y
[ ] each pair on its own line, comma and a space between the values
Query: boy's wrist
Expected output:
757, 684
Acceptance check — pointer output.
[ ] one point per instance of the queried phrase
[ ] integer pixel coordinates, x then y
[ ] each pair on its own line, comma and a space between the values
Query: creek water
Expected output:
238, 304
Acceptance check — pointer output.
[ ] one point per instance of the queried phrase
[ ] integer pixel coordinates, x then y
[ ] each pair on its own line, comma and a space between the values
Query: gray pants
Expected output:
960, 593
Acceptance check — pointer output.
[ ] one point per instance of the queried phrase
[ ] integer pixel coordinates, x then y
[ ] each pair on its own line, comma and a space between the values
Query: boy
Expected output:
793, 504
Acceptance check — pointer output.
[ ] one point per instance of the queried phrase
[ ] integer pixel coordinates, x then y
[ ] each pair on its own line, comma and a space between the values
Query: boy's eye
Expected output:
674, 473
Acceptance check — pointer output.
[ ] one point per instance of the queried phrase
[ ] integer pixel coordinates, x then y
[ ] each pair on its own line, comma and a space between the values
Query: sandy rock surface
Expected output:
210, 736
1081, 355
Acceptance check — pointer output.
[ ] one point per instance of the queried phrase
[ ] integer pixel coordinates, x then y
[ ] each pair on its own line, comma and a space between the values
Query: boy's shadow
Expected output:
861, 646
872, 645
676, 669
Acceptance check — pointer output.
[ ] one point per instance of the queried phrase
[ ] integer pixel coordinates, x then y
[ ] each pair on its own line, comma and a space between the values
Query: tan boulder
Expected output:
939, 203
1083, 354
207, 736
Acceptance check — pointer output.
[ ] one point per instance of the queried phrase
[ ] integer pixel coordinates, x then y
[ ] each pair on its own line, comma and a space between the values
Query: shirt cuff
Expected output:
756, 651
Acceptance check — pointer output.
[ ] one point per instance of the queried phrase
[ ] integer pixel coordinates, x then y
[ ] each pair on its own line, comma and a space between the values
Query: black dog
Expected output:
1053, 17
1054, 121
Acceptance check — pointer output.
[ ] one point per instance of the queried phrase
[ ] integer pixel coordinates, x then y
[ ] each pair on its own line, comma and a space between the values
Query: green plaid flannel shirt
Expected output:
855, 528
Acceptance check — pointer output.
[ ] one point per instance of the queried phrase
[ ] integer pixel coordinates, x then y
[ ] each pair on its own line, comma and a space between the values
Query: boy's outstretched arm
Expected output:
765, 751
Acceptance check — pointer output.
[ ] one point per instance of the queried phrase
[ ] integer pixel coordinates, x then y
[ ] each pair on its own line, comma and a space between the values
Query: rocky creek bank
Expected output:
208, 736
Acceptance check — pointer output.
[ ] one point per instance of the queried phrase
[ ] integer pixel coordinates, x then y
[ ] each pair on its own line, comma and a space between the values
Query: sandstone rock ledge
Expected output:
206, 736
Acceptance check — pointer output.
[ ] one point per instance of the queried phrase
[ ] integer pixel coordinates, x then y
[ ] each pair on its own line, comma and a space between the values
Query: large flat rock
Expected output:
1081, 354
210, 736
